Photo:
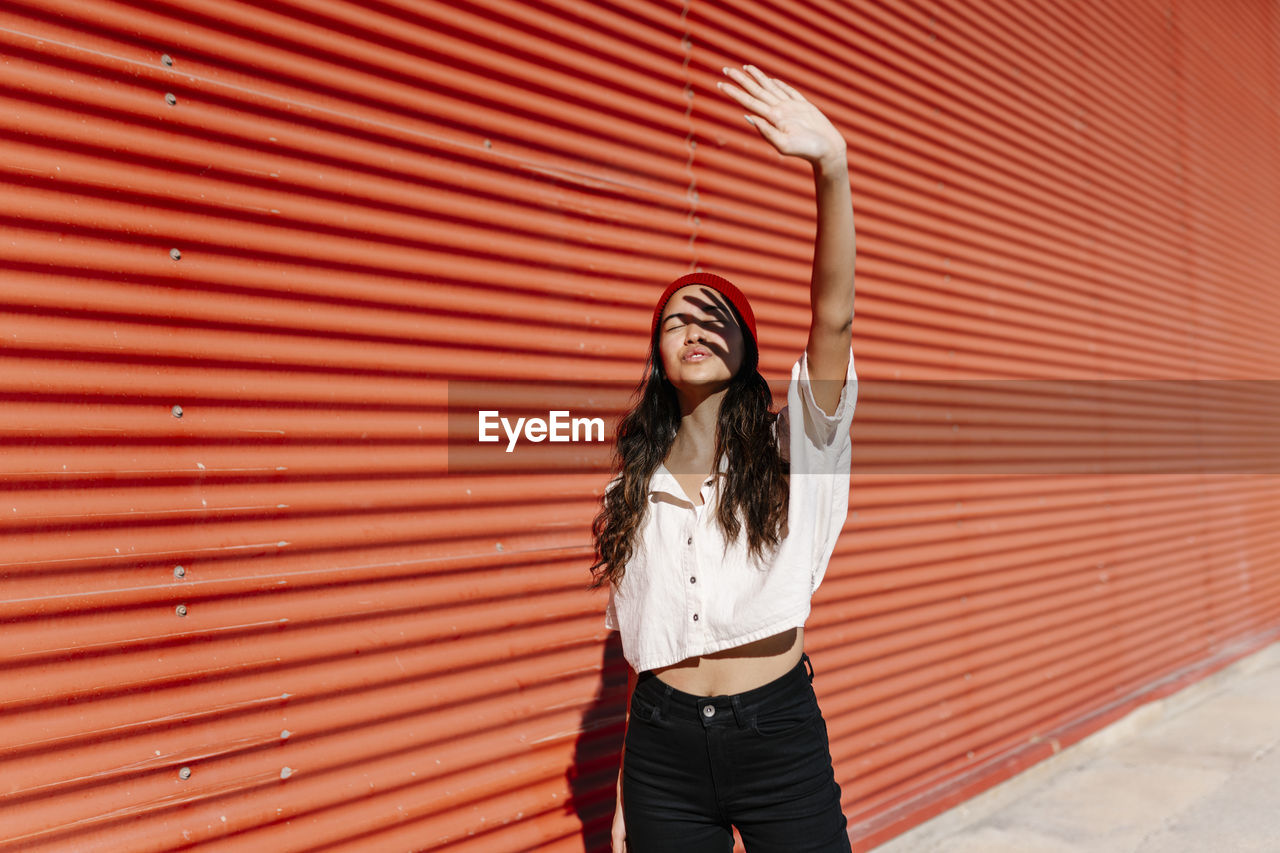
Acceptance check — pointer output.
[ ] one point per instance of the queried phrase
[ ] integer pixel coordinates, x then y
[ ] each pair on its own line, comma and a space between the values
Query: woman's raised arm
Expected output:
797, 128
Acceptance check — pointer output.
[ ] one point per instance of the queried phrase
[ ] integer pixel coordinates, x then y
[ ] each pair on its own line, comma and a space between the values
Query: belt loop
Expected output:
664, 707
739, 715
809, 664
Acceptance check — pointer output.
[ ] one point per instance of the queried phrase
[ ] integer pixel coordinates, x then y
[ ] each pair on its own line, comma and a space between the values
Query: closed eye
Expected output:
675, 321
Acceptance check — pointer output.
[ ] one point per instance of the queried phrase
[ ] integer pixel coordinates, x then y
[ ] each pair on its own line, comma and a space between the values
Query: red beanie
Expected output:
720, 285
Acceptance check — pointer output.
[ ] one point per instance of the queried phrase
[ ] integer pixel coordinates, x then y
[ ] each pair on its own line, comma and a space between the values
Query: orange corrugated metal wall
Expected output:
246, 246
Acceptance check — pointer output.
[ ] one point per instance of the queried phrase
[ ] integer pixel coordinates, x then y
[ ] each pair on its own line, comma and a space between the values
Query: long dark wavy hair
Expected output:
754, 492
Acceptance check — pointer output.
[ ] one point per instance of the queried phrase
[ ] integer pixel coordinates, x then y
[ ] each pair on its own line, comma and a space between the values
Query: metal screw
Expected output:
181, 610
167, 60
179, 572
184, 773
176, 254
176, 411
286, 734
170, 98
286, 772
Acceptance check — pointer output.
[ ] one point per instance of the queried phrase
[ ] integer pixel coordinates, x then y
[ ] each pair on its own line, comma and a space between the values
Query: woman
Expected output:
717, 530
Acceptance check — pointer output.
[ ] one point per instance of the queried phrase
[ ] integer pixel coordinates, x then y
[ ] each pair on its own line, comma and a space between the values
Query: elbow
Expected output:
834, 315
835, 323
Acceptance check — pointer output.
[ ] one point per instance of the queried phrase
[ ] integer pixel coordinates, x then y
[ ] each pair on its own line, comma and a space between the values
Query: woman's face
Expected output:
699, 340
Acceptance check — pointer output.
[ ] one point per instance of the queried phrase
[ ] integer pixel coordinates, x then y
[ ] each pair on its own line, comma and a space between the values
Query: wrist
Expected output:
835, 164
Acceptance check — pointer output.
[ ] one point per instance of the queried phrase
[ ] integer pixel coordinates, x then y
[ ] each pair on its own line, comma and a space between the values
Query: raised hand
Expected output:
784, 118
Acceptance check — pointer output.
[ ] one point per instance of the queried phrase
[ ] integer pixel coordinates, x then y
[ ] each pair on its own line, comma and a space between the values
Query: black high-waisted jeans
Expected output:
695, 766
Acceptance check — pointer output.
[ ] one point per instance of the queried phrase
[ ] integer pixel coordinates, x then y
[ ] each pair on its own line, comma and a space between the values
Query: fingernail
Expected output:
750, 120
725, 70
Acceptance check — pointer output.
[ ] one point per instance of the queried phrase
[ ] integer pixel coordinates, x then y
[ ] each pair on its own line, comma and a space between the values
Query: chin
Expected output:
713, 382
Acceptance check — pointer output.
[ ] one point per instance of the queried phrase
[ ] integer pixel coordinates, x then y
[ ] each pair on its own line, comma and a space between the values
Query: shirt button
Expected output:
708, 711
695, 617
693, 580
689, 541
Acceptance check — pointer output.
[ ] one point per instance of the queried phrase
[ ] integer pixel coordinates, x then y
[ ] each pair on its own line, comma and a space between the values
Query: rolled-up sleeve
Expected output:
817, 436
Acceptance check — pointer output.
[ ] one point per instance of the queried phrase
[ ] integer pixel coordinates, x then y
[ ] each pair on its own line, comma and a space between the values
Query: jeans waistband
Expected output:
676, 704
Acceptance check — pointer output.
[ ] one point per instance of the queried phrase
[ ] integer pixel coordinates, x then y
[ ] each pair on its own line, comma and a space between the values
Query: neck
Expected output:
698, 417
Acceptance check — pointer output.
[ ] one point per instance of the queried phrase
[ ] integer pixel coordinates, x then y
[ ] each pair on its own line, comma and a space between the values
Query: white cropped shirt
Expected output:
684, 593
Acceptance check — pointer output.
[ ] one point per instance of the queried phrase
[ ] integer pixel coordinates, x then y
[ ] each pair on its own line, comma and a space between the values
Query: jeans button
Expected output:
708, 711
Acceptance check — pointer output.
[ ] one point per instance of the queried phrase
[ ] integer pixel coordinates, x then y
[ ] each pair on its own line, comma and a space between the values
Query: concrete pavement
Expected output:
1195, 772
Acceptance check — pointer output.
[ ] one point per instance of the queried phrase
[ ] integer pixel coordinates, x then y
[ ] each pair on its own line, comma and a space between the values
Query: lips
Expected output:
696, 353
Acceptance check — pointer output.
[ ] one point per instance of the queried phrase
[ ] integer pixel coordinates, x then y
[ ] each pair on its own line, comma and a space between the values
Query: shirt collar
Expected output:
664, 481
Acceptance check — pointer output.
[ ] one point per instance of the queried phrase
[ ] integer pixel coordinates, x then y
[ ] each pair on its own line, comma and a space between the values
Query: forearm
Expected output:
831, 288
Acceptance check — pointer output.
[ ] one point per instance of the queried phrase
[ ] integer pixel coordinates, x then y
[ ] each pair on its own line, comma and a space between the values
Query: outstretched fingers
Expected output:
756, 83
769, 84
758, 92
745, 100
784, 117
791, 93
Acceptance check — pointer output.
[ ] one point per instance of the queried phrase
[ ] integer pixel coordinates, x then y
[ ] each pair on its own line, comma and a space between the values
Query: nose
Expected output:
693, 332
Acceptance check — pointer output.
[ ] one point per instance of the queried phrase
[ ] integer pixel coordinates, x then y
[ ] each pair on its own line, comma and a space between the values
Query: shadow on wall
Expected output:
593, 776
